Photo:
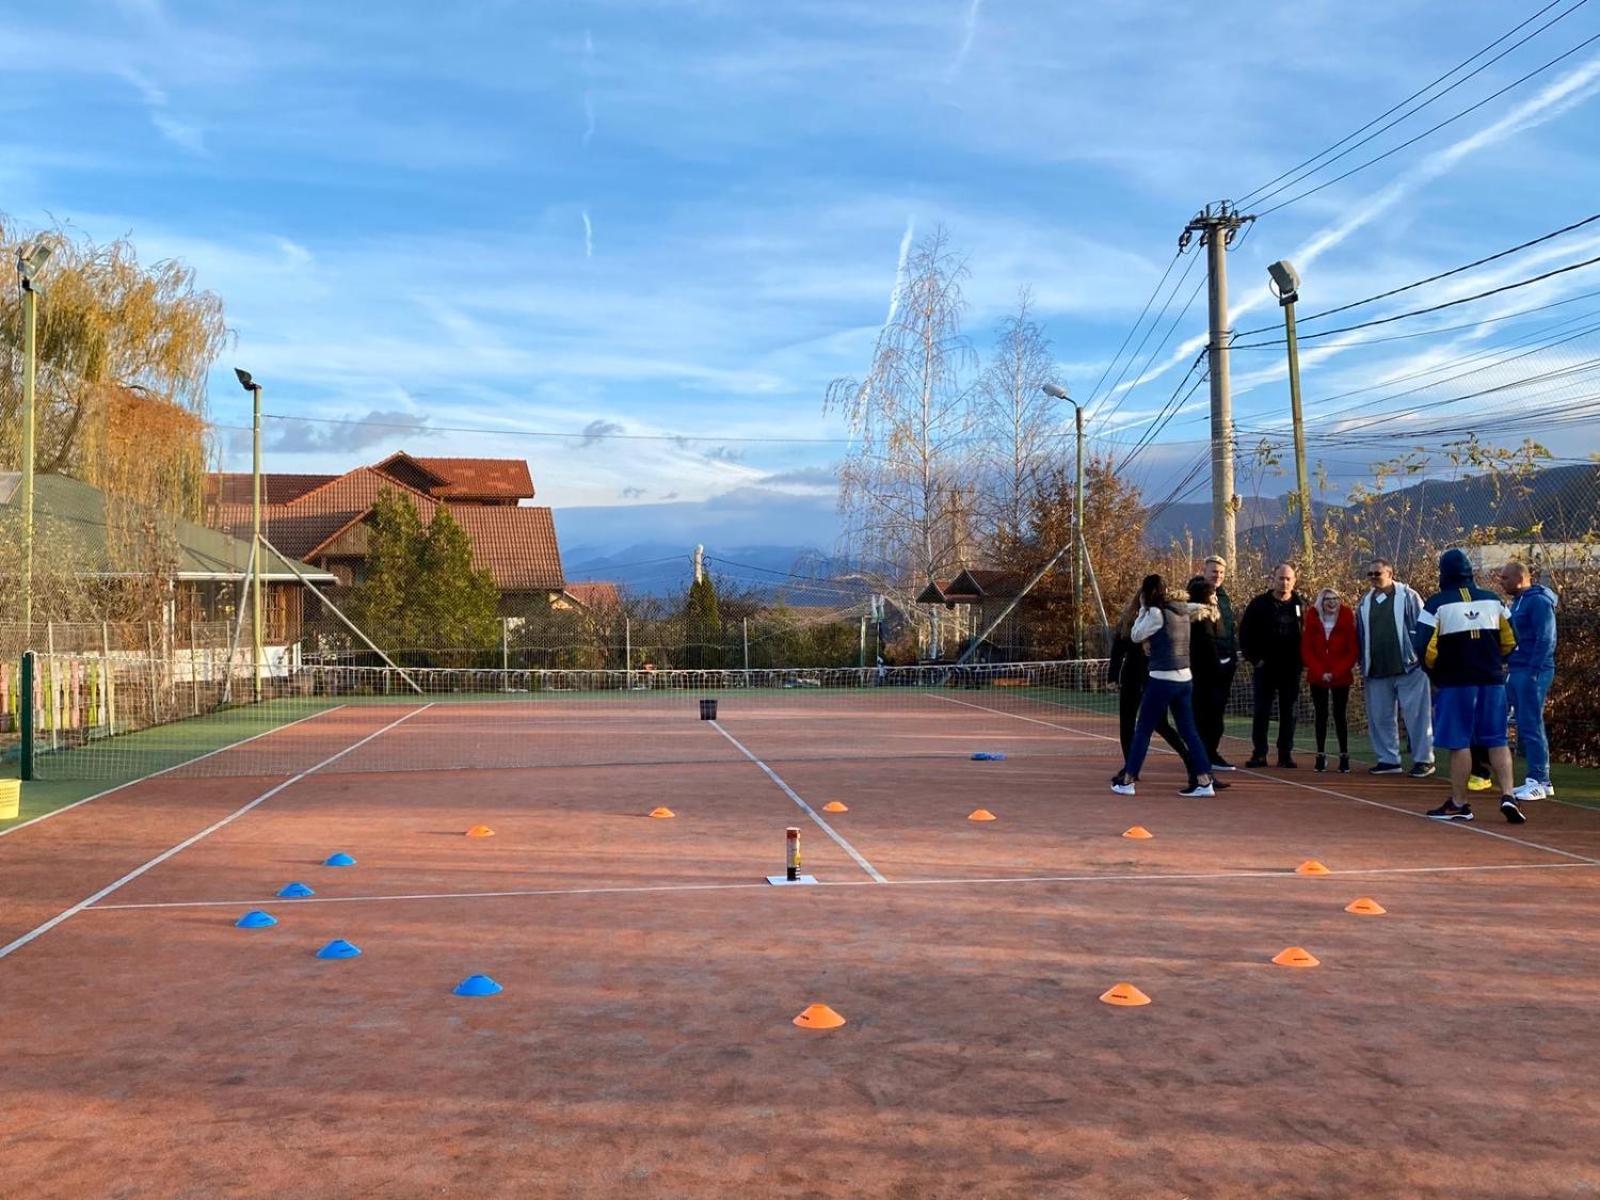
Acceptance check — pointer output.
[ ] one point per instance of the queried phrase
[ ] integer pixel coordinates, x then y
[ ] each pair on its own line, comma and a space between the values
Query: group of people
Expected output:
1452, 668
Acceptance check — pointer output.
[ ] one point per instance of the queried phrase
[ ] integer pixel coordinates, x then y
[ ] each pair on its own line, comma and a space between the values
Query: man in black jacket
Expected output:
1269, 637
1212, 691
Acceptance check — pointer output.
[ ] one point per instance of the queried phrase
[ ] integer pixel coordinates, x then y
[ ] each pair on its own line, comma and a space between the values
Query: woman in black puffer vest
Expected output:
1163, 625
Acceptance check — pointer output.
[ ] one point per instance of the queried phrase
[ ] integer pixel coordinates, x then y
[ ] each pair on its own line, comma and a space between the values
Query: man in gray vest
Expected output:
1386, 625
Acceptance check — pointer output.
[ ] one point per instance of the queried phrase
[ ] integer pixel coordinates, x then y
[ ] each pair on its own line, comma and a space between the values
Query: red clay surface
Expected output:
643, 1044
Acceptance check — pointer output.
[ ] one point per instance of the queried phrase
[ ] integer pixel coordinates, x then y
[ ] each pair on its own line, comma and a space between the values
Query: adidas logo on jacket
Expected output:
1464, 633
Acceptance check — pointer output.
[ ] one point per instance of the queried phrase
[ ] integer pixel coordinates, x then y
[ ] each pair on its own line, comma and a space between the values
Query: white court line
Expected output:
810, 812
187, 842
188, 762
845, 883
1470, 827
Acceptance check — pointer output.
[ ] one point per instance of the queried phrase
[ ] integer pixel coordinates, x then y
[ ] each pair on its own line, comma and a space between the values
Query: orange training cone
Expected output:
819, 1016
480, 831
1366, 906
981, 814
662, 813
1295, 956
1139, 832
1312, 867
834, 806
1124, 995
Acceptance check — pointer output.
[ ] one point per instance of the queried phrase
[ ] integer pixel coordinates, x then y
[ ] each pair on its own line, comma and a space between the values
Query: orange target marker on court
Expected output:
662, 814
1138, 832
835, 806
819, 1016
1312, 867
1124, 995
1296, 956
981, 814
1366, 906
480, 831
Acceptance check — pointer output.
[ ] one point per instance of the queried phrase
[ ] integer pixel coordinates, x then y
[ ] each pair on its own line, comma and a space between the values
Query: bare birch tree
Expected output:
908, 487
1018, 434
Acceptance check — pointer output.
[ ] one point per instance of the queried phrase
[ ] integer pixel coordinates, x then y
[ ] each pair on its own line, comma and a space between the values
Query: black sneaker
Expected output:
1222, 764
1257, 761
1321, 764
1215, 783
1451, 811
1385, 769
1420, 770
1197, 789
1286, 760
1510, 811
1344, 764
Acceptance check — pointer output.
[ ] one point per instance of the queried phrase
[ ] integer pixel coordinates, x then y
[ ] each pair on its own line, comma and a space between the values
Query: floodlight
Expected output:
30, 259
245, 381
1287, 280
1055, 390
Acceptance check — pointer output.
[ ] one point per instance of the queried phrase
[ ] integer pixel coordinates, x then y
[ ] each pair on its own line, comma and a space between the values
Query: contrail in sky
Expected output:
966, 39
588, 235
900, 270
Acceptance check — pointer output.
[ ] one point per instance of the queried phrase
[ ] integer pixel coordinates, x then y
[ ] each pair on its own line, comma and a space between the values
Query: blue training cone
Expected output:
339, 948
256, 919
988, 756
339, 859
294, 891
478, 985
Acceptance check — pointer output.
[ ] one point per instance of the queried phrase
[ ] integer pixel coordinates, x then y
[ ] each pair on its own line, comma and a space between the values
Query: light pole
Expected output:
1056, 391
257, 630
1286, 281
29, 260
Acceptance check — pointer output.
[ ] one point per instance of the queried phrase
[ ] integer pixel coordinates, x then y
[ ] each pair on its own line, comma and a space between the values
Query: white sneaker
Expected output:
1532, 789
1198, 789
1122, 789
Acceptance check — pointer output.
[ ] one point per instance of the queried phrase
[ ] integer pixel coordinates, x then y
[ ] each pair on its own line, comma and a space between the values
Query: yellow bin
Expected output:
10, 799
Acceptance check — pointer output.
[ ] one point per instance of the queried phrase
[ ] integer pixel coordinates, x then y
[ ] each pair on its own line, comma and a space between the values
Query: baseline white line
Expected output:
842, 883
189, 841
1310, 787
809, 811
188, 762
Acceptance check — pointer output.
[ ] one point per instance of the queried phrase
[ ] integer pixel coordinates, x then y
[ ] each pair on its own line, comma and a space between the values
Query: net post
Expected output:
792, 841
26, 715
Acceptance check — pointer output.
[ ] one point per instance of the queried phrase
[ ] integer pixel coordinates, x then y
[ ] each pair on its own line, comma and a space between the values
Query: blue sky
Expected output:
684, 216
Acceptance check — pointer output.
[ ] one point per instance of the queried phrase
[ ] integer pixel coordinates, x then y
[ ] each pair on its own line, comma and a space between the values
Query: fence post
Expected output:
26, 715
627, 651
505, 643
155, 675
194, 666
745, 622
53, 684
111, 691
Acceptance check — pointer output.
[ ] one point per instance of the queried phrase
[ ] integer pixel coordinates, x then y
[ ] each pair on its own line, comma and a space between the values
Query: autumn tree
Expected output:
124, 352
907, 488
1017, 428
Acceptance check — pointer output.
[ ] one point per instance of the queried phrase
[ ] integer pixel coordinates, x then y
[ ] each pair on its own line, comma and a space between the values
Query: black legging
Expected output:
1341, 718
1132, 691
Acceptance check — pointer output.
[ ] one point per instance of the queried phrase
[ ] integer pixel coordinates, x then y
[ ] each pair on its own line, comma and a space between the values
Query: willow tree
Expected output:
908, 486
124, 352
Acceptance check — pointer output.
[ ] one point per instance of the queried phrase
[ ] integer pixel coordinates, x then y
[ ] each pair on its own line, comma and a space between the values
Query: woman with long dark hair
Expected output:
1129, 670
1162, 626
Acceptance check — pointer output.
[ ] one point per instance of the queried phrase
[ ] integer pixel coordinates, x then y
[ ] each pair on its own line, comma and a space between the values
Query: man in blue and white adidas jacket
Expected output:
1464, 636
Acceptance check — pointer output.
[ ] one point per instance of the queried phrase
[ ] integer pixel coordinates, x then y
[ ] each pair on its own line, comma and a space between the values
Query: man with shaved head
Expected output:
1530, 671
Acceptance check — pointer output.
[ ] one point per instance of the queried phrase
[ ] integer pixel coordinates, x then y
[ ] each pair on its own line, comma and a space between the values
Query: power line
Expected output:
1433, 129
1135, 328
1248, 196
1102, 417
1328, 312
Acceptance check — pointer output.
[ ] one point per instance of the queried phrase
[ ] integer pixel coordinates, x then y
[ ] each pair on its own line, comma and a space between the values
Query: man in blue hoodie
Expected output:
1464, 636
1530, 670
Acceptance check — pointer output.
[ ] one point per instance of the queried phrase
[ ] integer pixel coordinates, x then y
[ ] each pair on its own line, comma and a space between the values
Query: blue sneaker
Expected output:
1451, 811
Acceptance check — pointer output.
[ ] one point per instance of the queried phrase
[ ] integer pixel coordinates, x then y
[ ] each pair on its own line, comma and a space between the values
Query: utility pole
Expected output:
28, 263
699, 563
1287, 281
1217, 224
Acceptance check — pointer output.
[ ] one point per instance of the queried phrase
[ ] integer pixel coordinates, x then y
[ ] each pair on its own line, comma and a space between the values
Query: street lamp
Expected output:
1286, 286
29, 260
1057, 392
256, 629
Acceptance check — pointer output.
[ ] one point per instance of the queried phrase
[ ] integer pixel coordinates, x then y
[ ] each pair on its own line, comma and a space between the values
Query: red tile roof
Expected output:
235, 488
515, 544
481, 478
595, 595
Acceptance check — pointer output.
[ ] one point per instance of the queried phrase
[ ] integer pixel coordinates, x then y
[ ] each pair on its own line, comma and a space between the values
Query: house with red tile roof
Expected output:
327, 519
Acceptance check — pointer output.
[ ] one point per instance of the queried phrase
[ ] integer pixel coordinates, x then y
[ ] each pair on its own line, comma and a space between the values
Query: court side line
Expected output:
843, 883
189, 841
188, 762
1469, 827
809, 811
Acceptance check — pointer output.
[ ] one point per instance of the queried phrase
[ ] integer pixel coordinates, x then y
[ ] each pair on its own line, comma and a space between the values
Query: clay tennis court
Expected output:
643, 1043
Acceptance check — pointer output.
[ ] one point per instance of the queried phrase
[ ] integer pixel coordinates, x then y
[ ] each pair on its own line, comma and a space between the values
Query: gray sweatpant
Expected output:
1408, 697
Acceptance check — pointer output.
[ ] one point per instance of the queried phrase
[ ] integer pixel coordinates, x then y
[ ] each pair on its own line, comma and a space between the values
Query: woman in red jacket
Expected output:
1328, 649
